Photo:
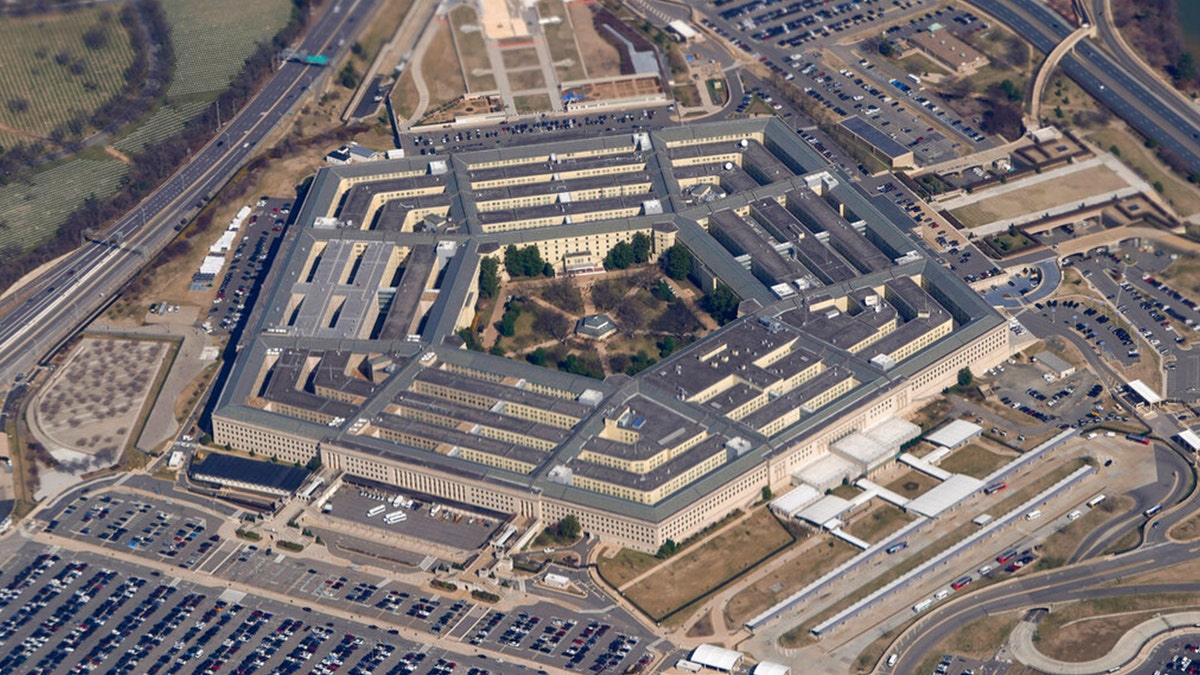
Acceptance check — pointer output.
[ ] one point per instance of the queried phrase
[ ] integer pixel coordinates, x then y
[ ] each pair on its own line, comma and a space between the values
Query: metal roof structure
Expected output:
1144, 392
944, 495
717, 658
954, 434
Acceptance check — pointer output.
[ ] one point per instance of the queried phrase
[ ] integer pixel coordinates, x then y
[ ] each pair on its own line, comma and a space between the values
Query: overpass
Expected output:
1048, 66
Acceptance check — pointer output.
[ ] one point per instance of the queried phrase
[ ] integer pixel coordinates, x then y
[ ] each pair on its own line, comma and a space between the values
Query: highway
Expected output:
83, 280
1081, 581
1131, 96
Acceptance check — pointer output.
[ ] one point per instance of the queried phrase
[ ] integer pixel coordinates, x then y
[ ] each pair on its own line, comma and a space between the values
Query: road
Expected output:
1132, 96
68, 292
1082, 581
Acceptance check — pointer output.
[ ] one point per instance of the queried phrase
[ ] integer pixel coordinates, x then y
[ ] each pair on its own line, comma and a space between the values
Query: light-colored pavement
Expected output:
1139, 640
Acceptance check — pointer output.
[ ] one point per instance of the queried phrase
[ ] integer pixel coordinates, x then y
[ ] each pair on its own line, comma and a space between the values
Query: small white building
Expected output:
175, 460
556, 580
770, 668
717, 658
1057, 366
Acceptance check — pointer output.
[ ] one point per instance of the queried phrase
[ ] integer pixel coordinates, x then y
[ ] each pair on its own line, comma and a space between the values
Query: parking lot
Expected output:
425, 519
780, 37
1156, 313
76, 612
601, 638
1077, 400
151, 528
248, 265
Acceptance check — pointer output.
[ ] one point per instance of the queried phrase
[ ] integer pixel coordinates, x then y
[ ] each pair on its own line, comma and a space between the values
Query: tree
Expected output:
641, 248
314, 464
965, 377
525, 262
508, 322
667, 550
489, 277
537, 357
619, 257
887, 48
1184, 69
721, 303
569, 528
677, 262
552, 323
95, 38
676, 320
766, 493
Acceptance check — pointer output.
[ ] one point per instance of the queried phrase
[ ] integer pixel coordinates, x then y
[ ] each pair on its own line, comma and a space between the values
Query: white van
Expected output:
1033, 515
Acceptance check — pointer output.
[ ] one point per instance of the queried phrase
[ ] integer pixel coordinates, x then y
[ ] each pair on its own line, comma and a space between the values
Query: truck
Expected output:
395, 517
376, 510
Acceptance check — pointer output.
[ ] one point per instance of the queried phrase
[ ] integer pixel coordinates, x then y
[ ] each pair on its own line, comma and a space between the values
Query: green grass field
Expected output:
49, 72
30, 212
213, 38
211, 41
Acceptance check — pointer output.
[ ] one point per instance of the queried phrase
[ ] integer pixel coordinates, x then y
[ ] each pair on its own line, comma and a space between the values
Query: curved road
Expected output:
1087, 580
80, 282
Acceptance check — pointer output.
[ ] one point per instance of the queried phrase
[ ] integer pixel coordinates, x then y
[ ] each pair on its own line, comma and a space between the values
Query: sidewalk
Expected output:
1131, 646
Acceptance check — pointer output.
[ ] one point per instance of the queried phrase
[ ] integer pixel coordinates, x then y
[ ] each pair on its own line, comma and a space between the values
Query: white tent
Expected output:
769, 668
717, 658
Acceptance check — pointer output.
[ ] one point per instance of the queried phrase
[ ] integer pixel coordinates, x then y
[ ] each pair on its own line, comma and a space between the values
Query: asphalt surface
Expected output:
1083, 581
72, 288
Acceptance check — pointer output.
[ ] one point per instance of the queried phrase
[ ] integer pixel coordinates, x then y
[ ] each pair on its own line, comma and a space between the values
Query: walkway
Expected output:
1137, 640
1048, 66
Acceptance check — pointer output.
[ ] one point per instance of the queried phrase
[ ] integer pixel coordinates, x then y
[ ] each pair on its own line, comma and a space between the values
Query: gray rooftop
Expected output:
329, 349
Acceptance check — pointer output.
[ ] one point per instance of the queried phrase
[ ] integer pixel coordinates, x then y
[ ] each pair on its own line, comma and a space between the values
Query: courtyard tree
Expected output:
489, 277
677, 262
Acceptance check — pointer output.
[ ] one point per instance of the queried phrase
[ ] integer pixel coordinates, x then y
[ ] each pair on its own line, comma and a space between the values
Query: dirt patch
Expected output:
625, 566
707, 566
618, 89
912, 484
600, 59
531, 103
517, 59
560, 37
974, 461
1040, 196
881, 519
1081, 631
525, 80
441, 69
703, 627
818, 556
472, 50
87, 414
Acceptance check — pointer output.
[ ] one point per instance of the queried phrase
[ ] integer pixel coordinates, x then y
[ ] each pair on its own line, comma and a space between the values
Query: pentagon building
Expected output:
843, 327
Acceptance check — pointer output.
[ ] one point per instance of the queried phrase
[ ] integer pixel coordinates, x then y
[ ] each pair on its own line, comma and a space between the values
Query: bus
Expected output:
1095, 501
1138, 438
376, 510
1149, 513
394, 517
